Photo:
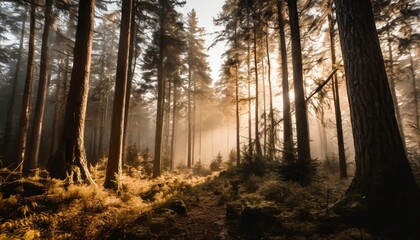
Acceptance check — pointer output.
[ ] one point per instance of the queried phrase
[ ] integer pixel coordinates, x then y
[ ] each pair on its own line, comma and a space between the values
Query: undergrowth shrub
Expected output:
65, 211
200, 170
331, 165
217, 163
302, 173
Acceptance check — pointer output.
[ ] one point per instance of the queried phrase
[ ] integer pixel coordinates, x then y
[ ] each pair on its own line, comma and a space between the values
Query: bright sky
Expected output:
206, 11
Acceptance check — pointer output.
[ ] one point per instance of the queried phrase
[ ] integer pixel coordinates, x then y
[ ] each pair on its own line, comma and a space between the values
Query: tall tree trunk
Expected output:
189, 157
10, 110
271, 144
238, 141
167, 125
248, 76
288, 155
194, 124
200, 131
130, 77
33, 151
383, 184
257, 136
336, 96
27, 94
174, 123
160, 106
264, 99
114, 166
71, 156
393, 90
304, 153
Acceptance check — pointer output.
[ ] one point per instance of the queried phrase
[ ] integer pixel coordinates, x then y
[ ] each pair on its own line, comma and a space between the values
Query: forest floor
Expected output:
230, 204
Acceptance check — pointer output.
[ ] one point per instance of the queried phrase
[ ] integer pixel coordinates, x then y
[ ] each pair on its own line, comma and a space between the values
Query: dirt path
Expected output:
206, 220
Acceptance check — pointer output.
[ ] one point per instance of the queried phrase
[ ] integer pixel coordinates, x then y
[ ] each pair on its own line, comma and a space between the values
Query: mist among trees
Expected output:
114, 126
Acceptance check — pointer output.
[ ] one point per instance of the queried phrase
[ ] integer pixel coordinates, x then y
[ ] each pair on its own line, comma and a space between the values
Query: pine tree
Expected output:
33, 151
71, 156
114, 166
383, 185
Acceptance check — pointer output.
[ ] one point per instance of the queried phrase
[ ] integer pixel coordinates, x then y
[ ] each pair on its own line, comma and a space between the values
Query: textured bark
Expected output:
264, 114
131, 68
257, 134
287, 118
160, 104
248, 78
174, 123
71, 156
10, 110
336, 96
114, 166
27, 92
189, 148
194, 125
383, 175
33, 151
304, 153
238, 141
271, 145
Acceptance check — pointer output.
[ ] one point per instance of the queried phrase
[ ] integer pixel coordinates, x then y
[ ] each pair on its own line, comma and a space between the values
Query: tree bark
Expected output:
304, 153
238, 141
71, 156
160, 102
336, 96
383, 184
131, 68
248, 76
288, 155
189, 154
33, 151
257, 135
271, 144
27, 92
174, 123
114, 166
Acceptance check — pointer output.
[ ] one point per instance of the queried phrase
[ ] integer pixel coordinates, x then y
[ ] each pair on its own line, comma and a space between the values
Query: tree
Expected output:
198, 77
231, 19
71, 156
257, 133
26, 103
161, 61
304, 153
33, 151
114, 166
336, 95
301, 170
287, 119
383, 183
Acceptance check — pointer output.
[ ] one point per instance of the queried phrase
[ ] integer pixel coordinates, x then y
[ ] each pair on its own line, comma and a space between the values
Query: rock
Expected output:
179, 207
255, 220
